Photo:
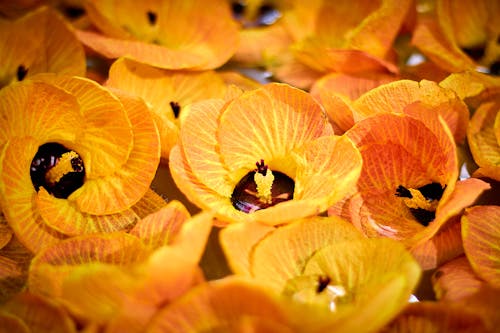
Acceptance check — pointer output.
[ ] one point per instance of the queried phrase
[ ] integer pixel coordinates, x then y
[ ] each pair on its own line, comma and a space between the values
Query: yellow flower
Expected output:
41, 41
119, 280
166, 92
325, 264
173, 34
268, 155
75, 159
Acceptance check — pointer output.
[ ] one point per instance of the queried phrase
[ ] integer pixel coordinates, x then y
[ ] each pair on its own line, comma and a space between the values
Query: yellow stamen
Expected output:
264, 185
419, 201
62, 168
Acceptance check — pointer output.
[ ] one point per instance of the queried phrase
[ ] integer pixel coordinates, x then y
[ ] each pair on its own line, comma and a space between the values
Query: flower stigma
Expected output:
262, 188
59, 170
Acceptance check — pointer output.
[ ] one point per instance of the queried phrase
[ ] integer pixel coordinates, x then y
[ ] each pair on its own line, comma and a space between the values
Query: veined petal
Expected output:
50, 266
238, 240
267, 124
17, 194
455, 280
122, 189
41, 111
14, 263
159, 228
483, 141
39, 42
481, 234
395, 97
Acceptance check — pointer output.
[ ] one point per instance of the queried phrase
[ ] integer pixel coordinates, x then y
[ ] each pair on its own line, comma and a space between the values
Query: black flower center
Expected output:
266, 14
57, 169
323, 282
422, 201
262, 188
176, 108
151, 17
21, 72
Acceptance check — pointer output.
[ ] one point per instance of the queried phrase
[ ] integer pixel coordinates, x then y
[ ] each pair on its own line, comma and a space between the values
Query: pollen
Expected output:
264, 184
418, 201
64, 166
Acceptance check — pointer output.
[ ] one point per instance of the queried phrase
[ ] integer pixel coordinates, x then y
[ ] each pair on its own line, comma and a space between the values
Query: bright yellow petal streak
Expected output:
282, 254
128, 184
481, 234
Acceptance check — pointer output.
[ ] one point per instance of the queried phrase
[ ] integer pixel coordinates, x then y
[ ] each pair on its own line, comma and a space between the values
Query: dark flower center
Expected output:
262, 188
151, 17
57, 169
323, 282
73, 12
21, 72
422, 201
266, 14
176, 108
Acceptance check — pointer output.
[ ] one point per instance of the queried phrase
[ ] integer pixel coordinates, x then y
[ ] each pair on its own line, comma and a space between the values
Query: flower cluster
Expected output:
249, 166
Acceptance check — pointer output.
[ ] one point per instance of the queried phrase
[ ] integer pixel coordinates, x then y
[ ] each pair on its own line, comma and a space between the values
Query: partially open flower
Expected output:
168, 34
119, 280
461, 35
408, 187
41, 41
75, 159
166, 92
269, 155
325, 264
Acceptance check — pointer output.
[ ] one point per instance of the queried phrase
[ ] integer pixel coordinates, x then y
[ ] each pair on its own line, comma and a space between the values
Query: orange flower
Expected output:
408, 187
119, 280
269, 155
41, 41
327, 265
174, 34
166, 92
91, 156
460, 35
346, 39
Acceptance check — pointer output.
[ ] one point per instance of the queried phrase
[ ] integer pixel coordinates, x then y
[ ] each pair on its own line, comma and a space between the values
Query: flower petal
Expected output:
481, 234
455, 280
267, 124
130, 182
